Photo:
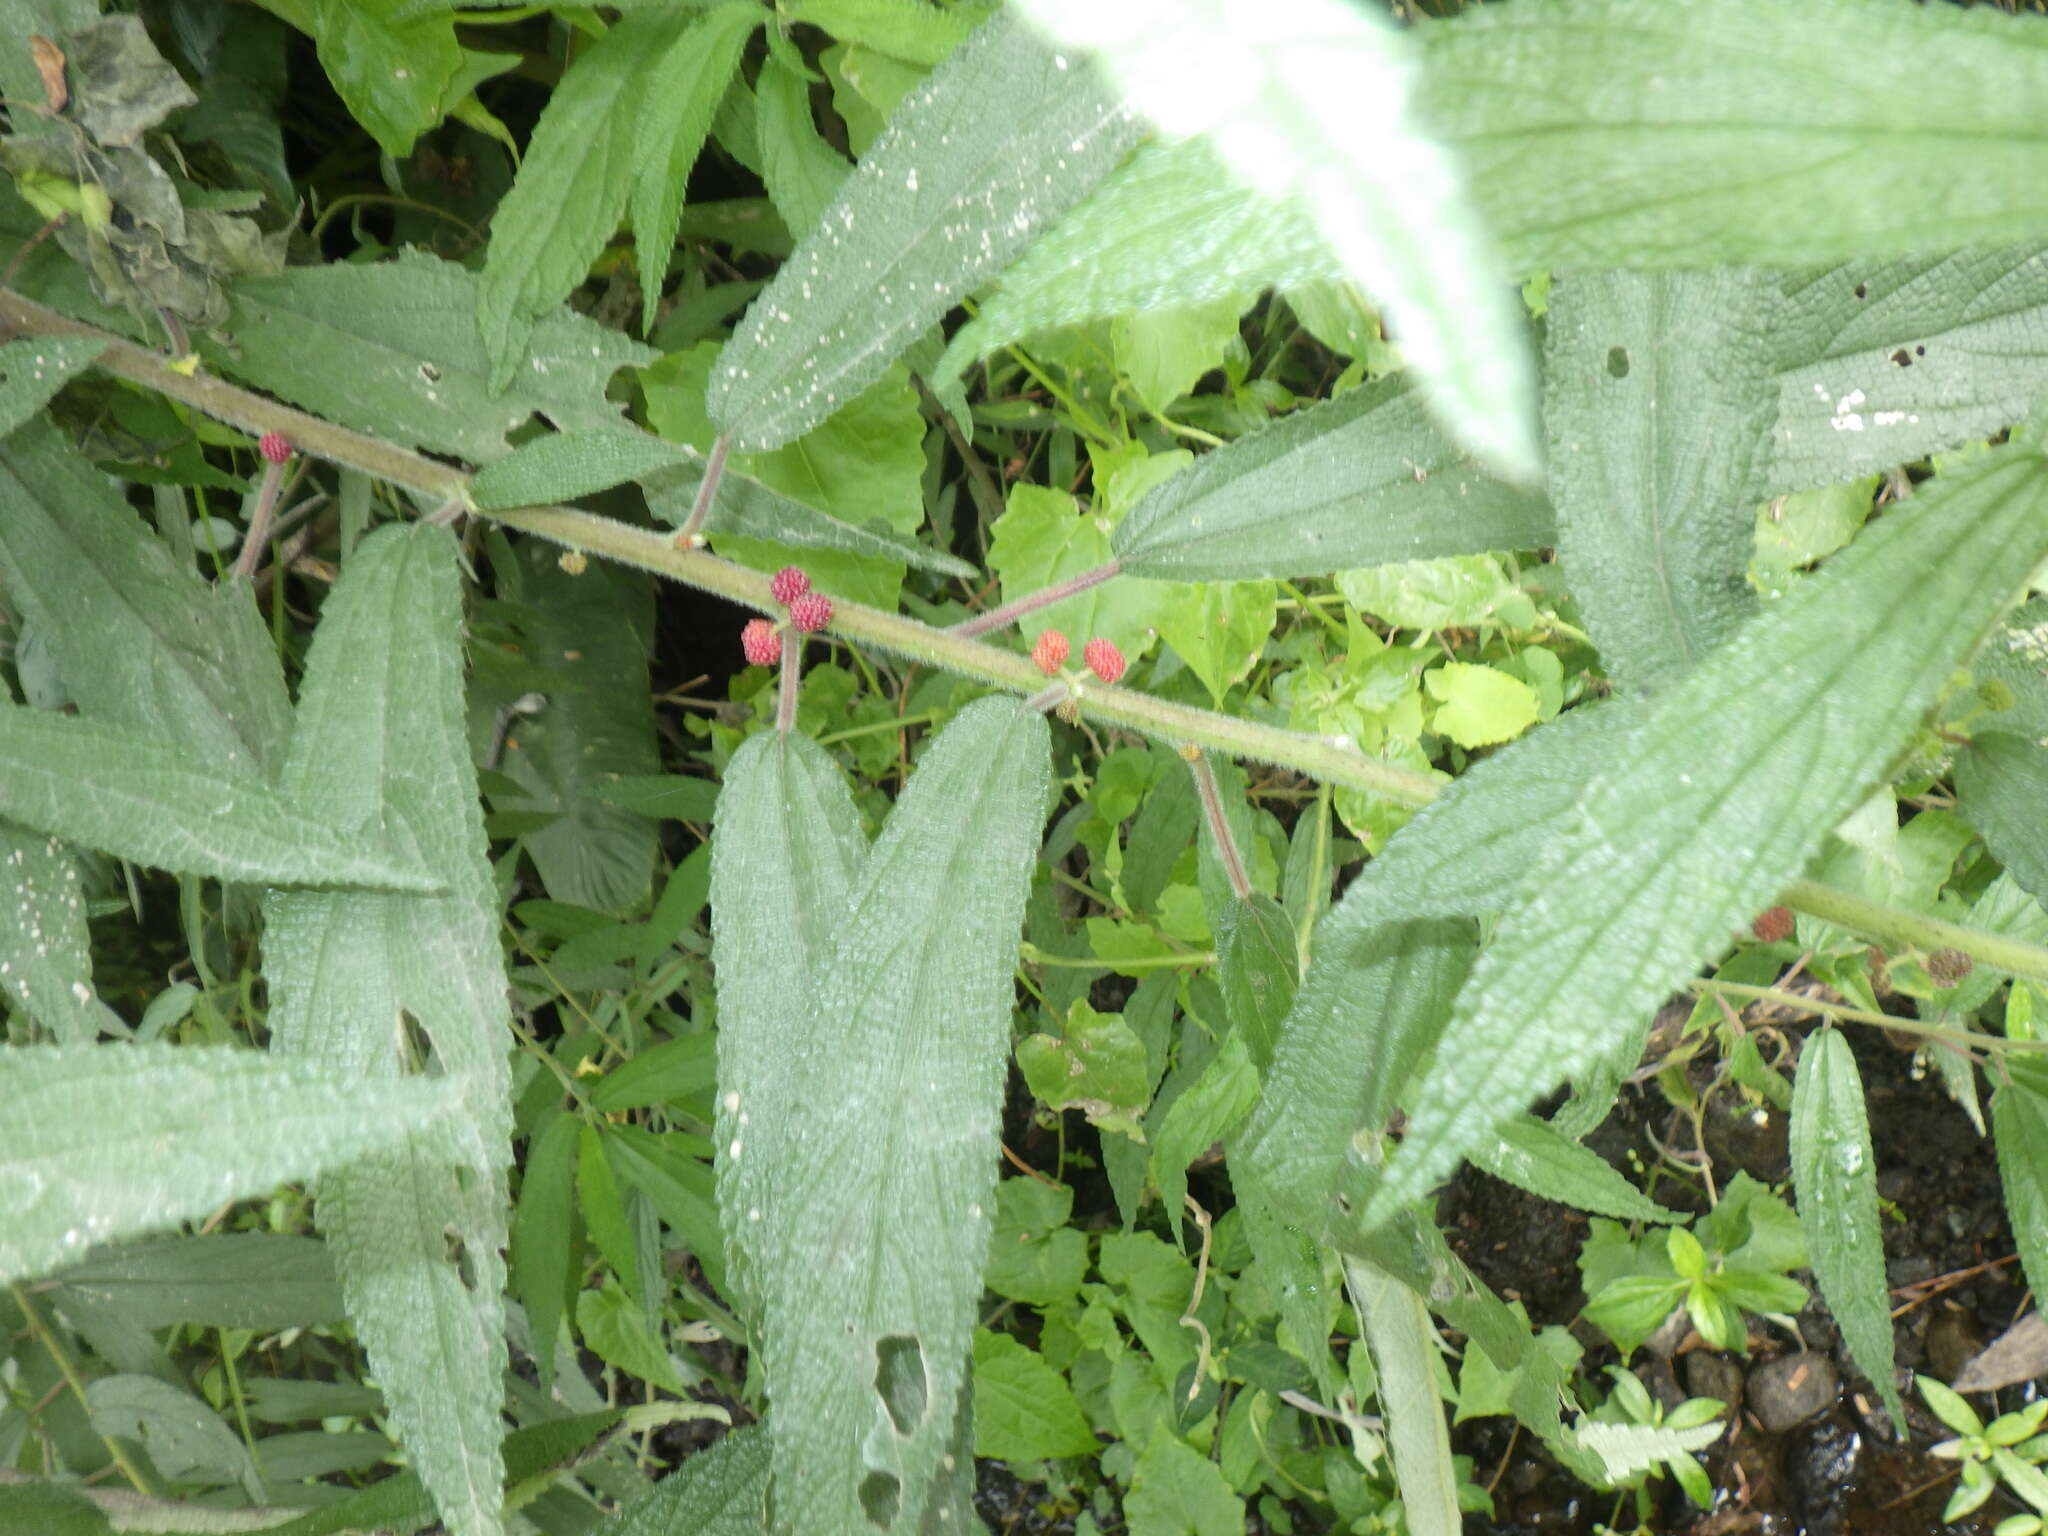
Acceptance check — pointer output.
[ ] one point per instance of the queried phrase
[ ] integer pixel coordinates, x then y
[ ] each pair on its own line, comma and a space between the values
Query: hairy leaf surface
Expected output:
417, 1233
1533, 1154
1003, 138
1657, 397
101, 1143
875, 1227
33, 369
1722, 789
720, 1491
1888, 128
2019, 1121
2002, 787
261, 1280
1395, 1326
45, 948
1364, 479
1834, 1174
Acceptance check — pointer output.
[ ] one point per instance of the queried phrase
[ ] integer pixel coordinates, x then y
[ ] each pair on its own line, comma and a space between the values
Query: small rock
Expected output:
1820, 1465
1953, 1336
1714, 1375
1791, 1389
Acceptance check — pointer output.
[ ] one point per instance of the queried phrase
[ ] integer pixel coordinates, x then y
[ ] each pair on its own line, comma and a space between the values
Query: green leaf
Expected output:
662, 796
1220, 629
947, 194
1712, 121
1835, 1174
417, 1234
1034, 1255
1312, 102
1720, 791
1256, 959
542, 1229
2002, 787
1657, 398
139, 639
156, 805
1023, 1408
788, 848
1097, 1066
565, 465
1360, 480
45, 948
1177, 1491
1533, 1154
260, 1280
1630, 1309
684, 88
674, 1070
1884, 363
1478, 706
584, 642
1043, 537
1461, 590
572, 186
880, 1140
52, 1509
1627, 1450
917, 34
1168, 227
1210, 1109
1164, 352
679, 1184
604, 1211
1394, 1324
185, 1438
1796, 530
33, 369
112, 1140
2019, 1122
801, 170
616, 1328
720, 1491
392, 349
390, 66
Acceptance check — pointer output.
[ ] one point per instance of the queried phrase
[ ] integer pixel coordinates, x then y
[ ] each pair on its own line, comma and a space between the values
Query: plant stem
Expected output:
687, 536
138, 1476
259, 523
785, 692
1008, 613
1219, 825
1319, 757
1966, 1040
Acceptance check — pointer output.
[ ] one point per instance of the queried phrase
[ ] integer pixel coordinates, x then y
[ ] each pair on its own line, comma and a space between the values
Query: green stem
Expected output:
1962, 1039
138, 1476
1318, 757
1031, 954
1219, 824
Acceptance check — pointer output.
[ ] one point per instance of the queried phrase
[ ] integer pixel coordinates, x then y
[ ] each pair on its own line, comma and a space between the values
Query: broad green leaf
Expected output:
951, 190
1177, 1491
45, 949
1534, 1155
918, 34
1721, 789
1657, 397
1210, 1109
1394, 1324
103, 788
1220, 630
2002, 787
239, 105
1882, 363
1889, 129
1023, 1408
391, 65
542, 1233
1257, 959
1360, 480
615, 1327
1097, 1066
566, 465
1462, 590
260, 1280
1170, 226
679, 1184
1164, 352
185, 1439
572, 186
882, 1155
677, 1069
52, 1509
1835, 1175
1310, 101
1043, 537
417, 1234
1478, 706
788, 849
663, 796
720, 1491
33, 369
604, 1211
25, 18
1795, 530
801, 170
393, 349
112, 1140
139, 640
583, 641
1035, 1255
2019, 1121
684, 88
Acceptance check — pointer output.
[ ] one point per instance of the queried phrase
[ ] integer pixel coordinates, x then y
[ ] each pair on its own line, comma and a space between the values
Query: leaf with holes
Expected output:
1003, 138
1721, 789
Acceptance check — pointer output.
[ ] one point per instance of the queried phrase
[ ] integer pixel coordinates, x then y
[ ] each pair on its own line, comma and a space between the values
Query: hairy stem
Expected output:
785, 692
1219, 824
1910, 930
259, 523
687, 536
1961, 1039
138, 1476
1010, 612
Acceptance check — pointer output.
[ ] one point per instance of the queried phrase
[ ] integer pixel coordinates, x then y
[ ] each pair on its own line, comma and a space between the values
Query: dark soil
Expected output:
1842, 1473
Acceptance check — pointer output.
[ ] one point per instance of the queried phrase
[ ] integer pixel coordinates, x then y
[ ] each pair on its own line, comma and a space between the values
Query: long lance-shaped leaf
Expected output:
2019, 1121
722, 1491
1003, 138
140, 640
1395, 1326
1880, 363
109, 1141
871, 1243
1835, 1175
1716, 797
1169, 226
417, 1233
33, 369
1310, 100
788, 849
1693, 129
45, 947
1657, 396
1365, 479
102, 788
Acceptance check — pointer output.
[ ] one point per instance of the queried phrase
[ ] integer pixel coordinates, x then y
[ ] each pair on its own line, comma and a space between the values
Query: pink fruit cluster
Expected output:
1049, 654
809, 612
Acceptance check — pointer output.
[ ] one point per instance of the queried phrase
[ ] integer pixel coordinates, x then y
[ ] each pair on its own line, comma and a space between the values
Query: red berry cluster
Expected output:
1049, 654
275, 447
809, 612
